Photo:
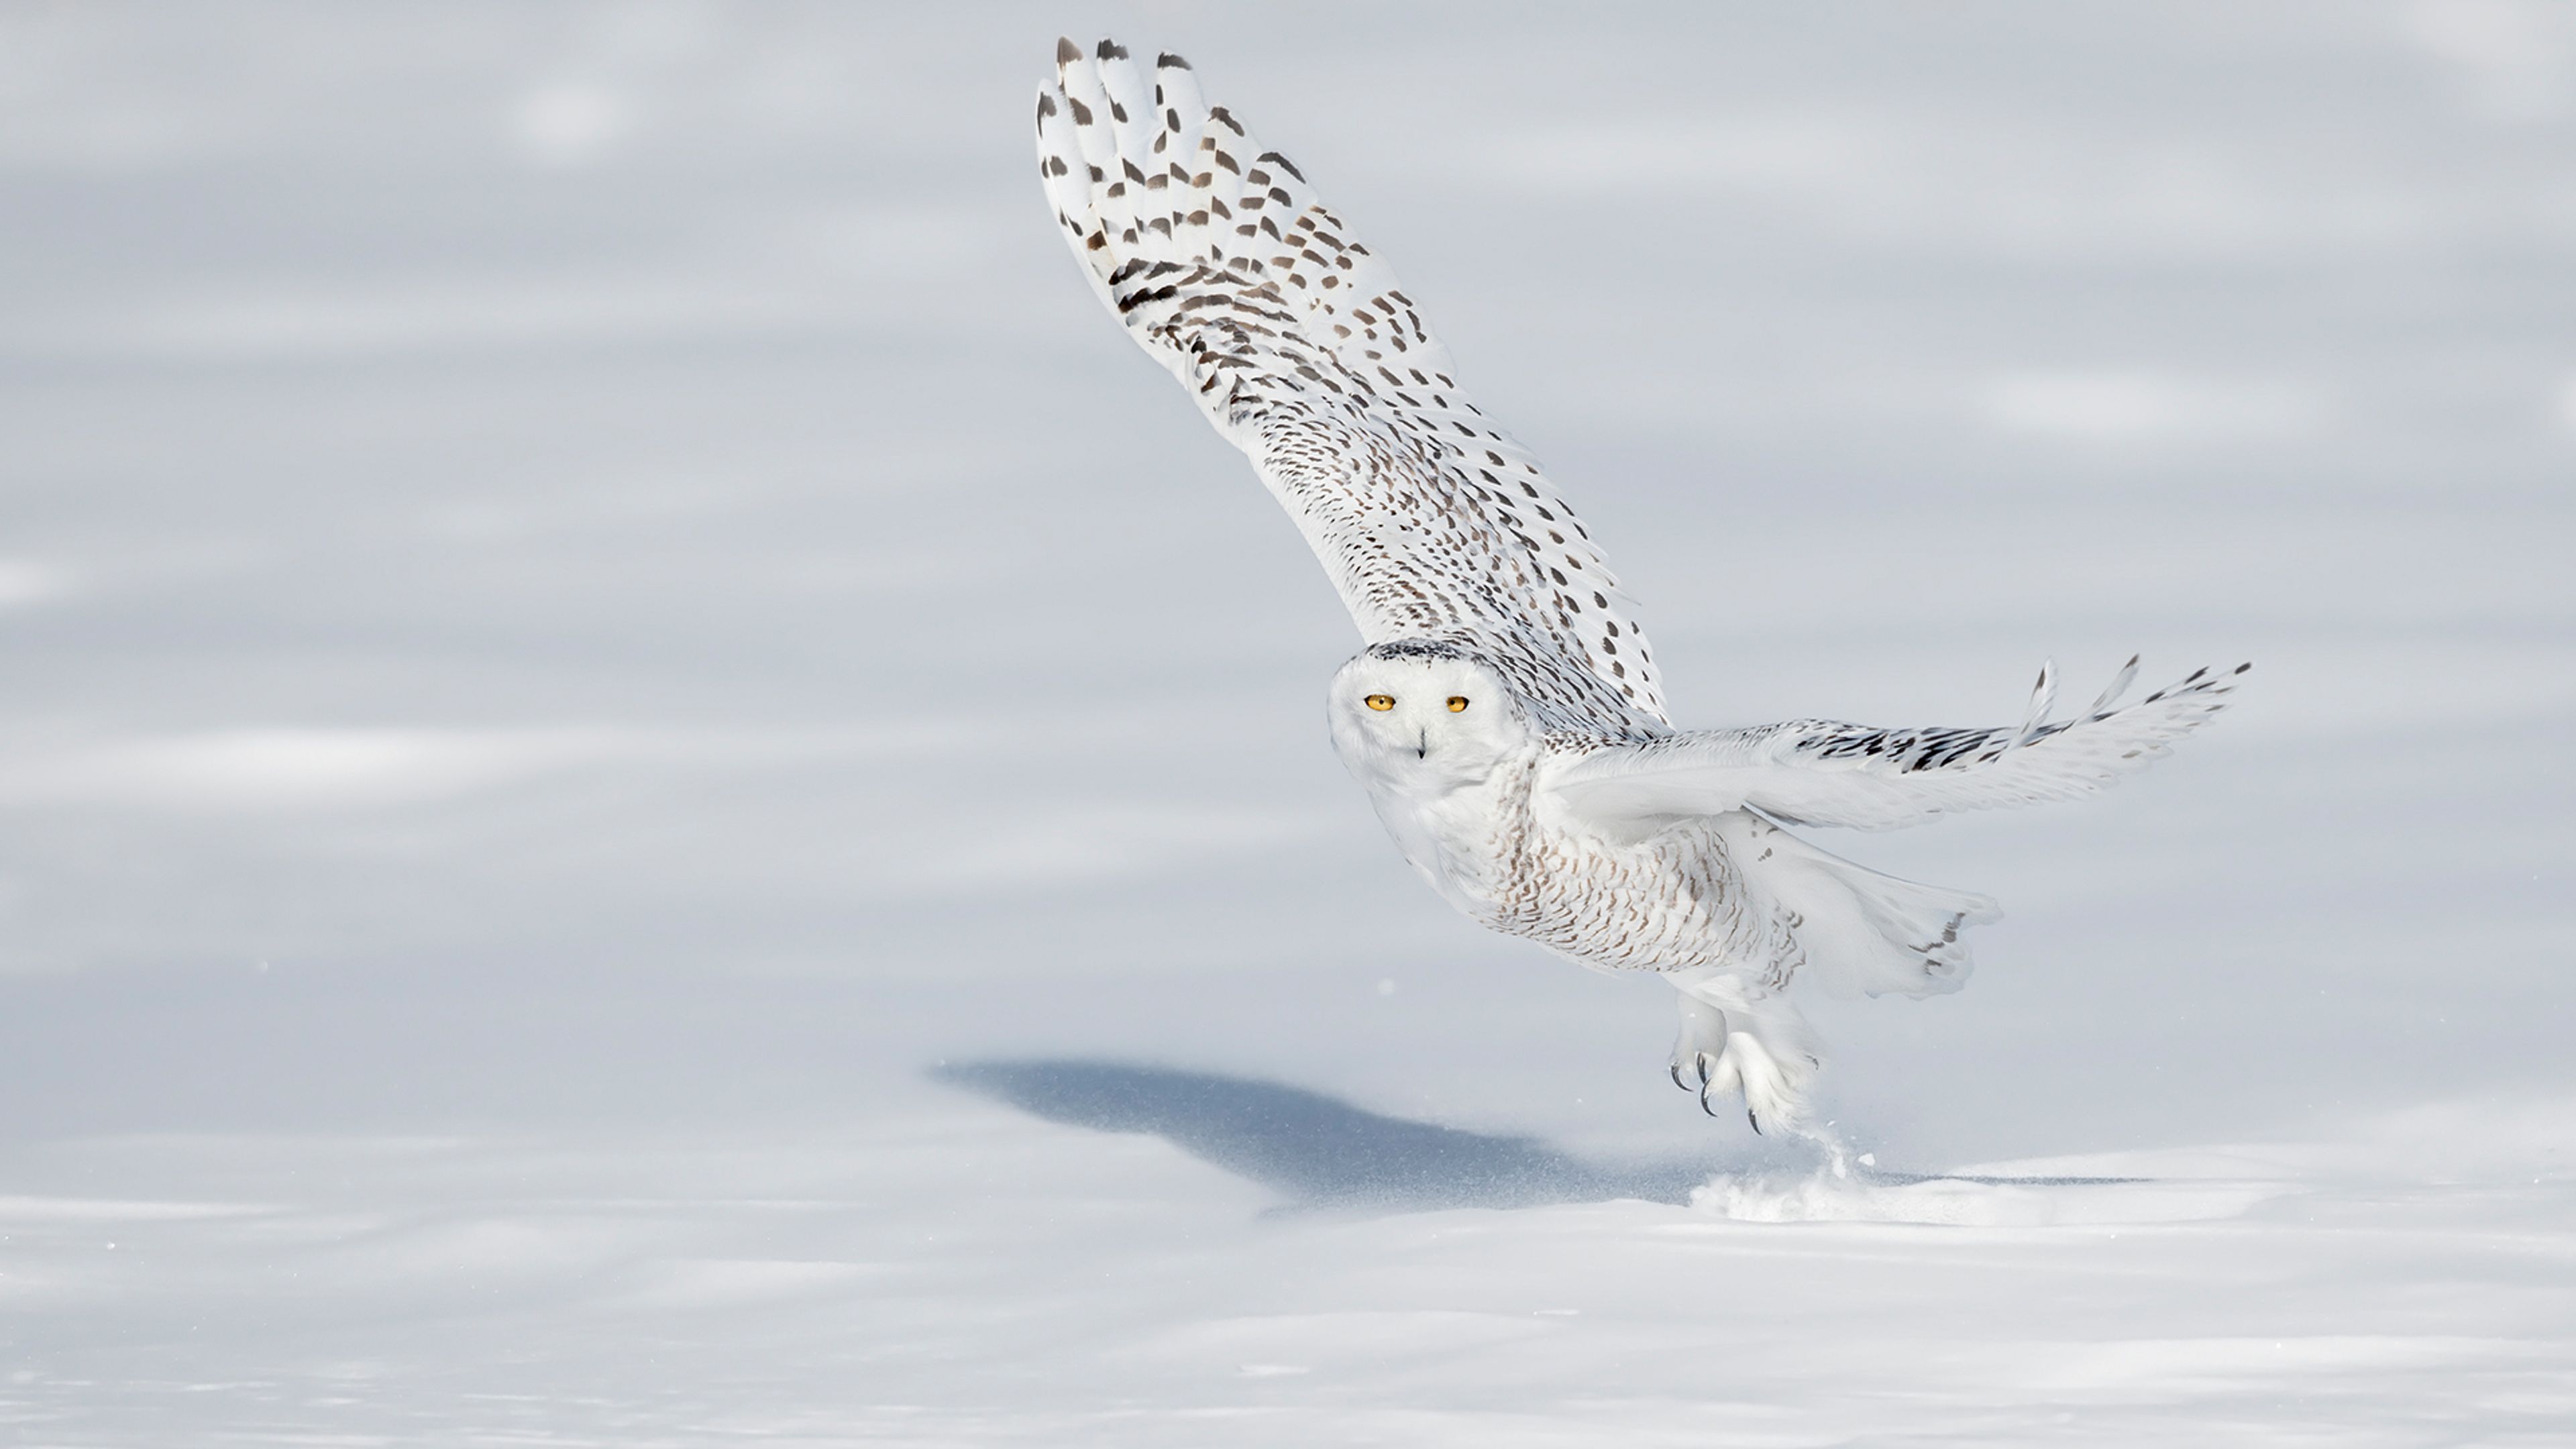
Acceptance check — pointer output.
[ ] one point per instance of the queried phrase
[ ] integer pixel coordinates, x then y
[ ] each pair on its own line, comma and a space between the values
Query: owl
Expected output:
1504, 718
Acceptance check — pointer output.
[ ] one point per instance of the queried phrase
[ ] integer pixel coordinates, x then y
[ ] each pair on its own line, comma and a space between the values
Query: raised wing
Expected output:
1818, 772
1304, 352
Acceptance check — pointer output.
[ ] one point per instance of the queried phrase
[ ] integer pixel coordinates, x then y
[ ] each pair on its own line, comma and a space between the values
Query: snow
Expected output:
656, 794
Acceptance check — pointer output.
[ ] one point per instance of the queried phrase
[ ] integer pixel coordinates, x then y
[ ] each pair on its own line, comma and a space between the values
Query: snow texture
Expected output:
655, 795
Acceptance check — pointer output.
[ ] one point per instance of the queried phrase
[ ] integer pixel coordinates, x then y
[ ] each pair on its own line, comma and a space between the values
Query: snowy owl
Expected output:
1504, 716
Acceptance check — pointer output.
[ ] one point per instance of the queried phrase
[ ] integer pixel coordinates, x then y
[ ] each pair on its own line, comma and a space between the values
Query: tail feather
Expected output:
1862, 933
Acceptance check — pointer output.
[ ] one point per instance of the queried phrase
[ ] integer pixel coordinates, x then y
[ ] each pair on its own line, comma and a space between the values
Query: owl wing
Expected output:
1304, 352
1818, 772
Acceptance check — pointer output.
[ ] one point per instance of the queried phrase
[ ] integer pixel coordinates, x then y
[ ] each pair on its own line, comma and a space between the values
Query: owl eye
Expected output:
1380, 701
1457, 703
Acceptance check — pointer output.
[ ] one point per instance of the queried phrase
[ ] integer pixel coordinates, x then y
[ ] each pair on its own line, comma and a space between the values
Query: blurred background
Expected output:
586, 567
519, 514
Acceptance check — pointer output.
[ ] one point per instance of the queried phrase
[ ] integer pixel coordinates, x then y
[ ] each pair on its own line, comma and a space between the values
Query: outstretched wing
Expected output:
1818, 772
1302, 349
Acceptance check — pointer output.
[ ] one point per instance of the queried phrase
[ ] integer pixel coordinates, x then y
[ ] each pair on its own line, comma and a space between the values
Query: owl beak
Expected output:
1422, 746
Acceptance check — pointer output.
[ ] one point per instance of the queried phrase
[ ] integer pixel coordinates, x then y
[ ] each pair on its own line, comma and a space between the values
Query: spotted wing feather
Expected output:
1300, 346
1819, 772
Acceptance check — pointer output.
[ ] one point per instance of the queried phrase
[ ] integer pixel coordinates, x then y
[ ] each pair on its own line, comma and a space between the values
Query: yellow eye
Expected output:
1380, 701
1457, 703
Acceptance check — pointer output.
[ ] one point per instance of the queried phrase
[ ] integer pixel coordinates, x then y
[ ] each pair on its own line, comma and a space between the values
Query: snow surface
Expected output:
656, 794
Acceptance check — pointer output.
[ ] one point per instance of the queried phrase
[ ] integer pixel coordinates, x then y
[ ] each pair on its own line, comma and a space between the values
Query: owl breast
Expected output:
1672, 901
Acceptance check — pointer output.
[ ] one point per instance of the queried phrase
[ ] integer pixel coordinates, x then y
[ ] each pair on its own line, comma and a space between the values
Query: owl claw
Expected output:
1765, 1069
1722, 1058
1703, 1065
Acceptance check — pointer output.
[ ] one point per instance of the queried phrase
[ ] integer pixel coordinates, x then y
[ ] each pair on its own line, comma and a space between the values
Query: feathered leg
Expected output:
1731, 1042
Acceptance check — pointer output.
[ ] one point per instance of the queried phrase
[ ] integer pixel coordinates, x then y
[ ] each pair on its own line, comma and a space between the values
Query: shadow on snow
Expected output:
1321, 1152
1313, 1149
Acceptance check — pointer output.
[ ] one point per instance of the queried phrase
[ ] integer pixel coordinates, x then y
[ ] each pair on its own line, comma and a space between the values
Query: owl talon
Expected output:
1760, 1063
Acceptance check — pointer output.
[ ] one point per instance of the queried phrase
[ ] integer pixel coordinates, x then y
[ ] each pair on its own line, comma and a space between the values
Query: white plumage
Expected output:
1505, 717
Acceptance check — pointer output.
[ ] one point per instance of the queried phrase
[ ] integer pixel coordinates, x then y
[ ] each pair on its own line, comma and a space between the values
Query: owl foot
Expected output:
1720, 1054
1697, 1051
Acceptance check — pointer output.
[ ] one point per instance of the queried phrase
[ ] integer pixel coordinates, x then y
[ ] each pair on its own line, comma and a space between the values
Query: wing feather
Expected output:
1819, 772
1302, 348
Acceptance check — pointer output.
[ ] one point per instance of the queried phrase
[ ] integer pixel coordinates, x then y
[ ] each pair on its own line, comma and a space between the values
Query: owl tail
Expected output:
1863, 933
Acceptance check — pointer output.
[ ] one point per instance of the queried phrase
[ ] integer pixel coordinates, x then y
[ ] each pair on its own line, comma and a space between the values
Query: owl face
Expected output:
1423, 718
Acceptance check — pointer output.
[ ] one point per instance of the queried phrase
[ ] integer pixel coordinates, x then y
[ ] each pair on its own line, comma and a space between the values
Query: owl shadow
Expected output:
1312, 1149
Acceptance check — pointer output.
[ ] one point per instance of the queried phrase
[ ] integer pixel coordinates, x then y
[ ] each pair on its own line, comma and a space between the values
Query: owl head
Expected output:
1424, 713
